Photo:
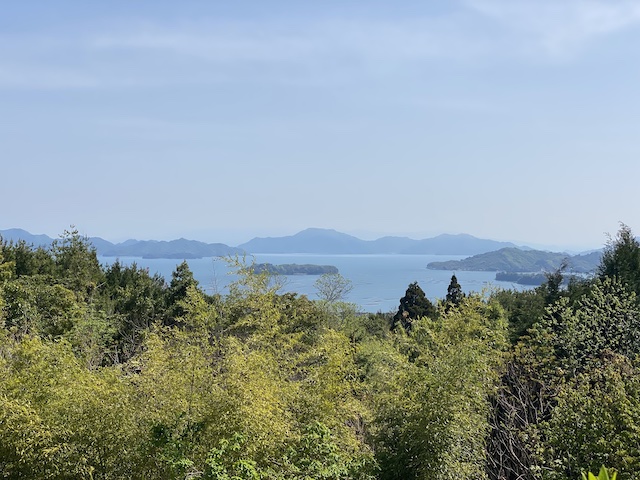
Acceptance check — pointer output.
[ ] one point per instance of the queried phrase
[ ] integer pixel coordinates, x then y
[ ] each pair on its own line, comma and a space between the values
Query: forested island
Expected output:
109, 372
294, 269
512, 260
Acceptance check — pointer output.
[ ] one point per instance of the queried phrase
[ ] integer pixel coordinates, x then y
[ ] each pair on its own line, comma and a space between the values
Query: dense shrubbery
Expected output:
109, 372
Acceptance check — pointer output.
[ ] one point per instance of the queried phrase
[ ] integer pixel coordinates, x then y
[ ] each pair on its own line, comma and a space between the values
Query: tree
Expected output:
454, 292
26, 259
181, 280
596, 421
76, 263
60, 420
552, 288
621, 259
523, 309
332, 287
413, 305
561, 347
135, 300
433, 401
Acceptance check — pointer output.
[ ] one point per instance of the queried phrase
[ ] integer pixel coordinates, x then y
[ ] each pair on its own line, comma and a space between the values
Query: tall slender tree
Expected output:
454, 292
413, 305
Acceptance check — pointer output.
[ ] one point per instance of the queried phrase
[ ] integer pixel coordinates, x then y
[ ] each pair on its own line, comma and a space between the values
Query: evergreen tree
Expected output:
413, 305
621, 259
454, 292
76, 263
181, 280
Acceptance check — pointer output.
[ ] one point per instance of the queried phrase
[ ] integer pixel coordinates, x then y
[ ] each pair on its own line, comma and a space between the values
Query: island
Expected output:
514, 260
533, 279
294, 269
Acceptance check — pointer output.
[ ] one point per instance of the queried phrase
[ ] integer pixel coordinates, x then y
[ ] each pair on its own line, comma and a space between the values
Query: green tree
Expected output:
596, 421
181, 280
134, 300
76, 264
60, 420
621, 259
333, 287
454, 292
28, 260
431, 413
523, 309
413, 305
552, 288
33, 306
565, 344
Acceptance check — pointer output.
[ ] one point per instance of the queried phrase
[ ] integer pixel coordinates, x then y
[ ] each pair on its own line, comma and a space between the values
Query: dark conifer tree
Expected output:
413, 305
182, 279
454, 292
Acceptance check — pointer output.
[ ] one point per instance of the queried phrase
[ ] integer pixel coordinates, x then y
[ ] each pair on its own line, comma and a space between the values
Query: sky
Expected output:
514, 120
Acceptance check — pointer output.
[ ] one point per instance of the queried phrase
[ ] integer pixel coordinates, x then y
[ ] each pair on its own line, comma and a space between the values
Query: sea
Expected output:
378, 281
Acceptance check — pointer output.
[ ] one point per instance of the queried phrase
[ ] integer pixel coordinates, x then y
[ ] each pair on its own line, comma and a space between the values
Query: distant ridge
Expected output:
325, 241
17, 234
512, 260
312, 241
177, 249
461, 244
181, 248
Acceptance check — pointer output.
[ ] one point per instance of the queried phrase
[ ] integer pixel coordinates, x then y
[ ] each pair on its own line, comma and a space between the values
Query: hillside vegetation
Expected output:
516, 260
111, 373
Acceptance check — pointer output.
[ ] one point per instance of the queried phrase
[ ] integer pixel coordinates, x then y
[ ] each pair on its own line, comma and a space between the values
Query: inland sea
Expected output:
379, 281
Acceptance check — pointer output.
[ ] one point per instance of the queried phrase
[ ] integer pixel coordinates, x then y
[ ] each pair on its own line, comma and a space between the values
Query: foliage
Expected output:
25, 260
76, 264
621, 259
33, 306
603, 475
435, 396
110, 373
181, 280
454, 292
565, 345
333, 287
60, 420
413, 306
134, 300
596, 421
523, 309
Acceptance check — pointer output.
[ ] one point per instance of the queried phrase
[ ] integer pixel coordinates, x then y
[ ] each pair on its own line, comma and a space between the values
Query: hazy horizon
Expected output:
234, 240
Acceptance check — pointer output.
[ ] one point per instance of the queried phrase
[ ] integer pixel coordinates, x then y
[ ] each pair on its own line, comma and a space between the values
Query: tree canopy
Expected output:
109, 372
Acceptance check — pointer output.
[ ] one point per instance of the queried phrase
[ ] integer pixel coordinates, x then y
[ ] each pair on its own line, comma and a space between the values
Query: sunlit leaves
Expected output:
434, 403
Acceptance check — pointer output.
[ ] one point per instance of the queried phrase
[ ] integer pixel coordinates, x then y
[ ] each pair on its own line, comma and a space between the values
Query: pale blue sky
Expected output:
508, 119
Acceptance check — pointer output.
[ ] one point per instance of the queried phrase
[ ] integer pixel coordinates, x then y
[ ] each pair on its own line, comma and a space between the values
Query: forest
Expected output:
109, 372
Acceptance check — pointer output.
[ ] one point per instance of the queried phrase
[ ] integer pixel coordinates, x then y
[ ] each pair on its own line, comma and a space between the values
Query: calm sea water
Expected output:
379, 281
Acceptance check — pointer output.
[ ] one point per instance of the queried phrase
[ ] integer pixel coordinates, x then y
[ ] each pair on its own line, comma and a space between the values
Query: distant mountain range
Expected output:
178, 249
312, 241
516, 260
323, 241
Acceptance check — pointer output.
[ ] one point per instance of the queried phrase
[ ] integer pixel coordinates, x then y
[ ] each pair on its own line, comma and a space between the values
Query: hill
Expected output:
17, 234
181, 248
177, 249
324, 241
461, 244
311, 240
516, 260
